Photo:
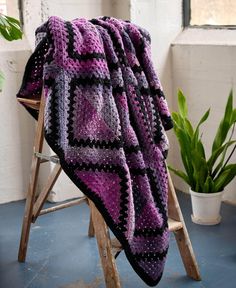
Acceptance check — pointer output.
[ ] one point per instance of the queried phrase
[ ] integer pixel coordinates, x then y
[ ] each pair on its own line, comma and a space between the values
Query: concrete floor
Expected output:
60, 255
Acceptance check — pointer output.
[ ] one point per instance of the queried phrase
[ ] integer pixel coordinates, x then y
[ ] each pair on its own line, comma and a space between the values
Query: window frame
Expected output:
187, 19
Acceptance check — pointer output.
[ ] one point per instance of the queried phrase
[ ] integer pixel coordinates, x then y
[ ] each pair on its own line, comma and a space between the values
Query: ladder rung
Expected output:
29, 101
32, 103
174, 225
64, 205
47, 158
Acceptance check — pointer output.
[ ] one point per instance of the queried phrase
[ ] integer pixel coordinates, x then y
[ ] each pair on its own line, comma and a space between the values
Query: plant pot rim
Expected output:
199, 194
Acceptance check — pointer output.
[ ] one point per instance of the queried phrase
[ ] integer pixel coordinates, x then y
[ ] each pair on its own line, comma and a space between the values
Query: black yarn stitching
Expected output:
155, 190
149, 232
157, 195
132, 149
74, 54
150, 256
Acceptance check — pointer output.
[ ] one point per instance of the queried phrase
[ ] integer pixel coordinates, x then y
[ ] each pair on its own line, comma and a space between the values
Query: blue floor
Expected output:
61, 255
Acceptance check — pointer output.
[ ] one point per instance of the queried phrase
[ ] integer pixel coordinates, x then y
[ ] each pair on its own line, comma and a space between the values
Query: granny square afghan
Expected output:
105, 117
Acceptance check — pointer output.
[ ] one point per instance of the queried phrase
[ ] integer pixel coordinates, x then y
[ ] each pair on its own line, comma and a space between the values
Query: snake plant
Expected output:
10, 30
205, 174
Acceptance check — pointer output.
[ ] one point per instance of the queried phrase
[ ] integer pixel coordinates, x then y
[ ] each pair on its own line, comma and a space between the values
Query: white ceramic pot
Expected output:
206, 207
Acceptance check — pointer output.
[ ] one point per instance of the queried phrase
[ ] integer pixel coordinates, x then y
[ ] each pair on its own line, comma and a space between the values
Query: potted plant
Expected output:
206, 176
10, 30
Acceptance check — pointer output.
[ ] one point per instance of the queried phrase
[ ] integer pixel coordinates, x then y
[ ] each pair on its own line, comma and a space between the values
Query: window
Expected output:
216, 13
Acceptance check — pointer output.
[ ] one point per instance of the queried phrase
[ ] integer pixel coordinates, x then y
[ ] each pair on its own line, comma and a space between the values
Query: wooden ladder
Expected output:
108, 247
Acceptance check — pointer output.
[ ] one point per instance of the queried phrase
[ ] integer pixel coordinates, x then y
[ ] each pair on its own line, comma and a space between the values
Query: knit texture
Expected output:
105, 117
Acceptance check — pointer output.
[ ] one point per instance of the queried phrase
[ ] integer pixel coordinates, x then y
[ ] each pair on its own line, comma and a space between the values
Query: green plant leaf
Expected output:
221, 162
201, 150
185, 148
215, 155
177, 120
204, 118
3, 21
181, 174
225, 177
183, 109
188, 127
229, 107
188, 168
233, 118
200, 170
185, 145
209, 185
15, 33
225, 124
10, 28
5, 33
195, 139
12, 20
221, 134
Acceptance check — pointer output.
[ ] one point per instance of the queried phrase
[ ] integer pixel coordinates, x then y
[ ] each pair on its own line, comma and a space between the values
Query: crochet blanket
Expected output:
105, 118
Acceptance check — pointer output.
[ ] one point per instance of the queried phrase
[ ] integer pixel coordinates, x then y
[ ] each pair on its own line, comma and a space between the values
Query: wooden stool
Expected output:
108, 248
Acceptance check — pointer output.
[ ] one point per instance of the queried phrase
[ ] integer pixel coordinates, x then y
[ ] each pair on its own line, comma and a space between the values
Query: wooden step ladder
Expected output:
108, 248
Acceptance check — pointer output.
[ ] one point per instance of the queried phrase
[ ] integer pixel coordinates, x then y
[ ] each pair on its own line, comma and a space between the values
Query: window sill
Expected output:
199, 36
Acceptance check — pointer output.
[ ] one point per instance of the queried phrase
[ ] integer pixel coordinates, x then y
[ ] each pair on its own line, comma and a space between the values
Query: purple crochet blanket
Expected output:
106, 117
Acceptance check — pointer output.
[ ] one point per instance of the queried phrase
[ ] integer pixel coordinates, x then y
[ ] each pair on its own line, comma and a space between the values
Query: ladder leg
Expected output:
46, 190
105, 250
30, 197
181, 235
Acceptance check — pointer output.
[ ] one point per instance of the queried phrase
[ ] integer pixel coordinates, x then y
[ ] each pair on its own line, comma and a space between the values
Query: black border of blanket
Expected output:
100, 206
